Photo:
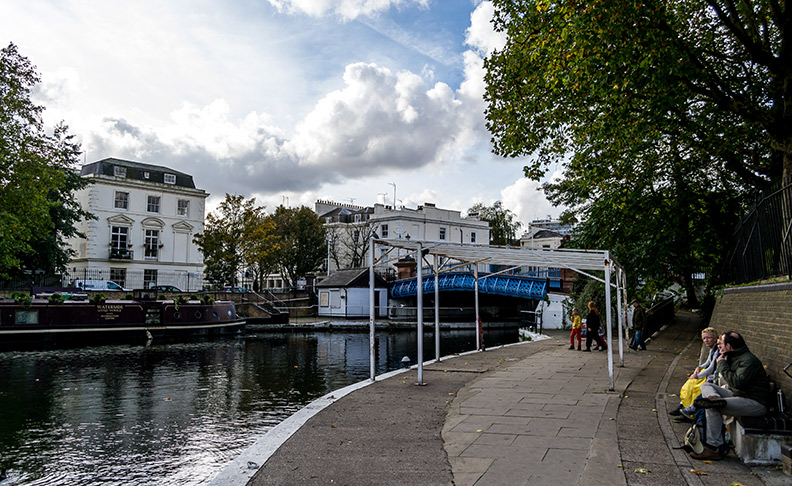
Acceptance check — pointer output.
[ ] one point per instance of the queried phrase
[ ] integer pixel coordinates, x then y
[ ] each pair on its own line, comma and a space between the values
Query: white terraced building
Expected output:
146, 218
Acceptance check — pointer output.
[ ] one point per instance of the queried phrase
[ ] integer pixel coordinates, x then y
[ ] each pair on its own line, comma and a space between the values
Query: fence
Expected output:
129, 279
763, 240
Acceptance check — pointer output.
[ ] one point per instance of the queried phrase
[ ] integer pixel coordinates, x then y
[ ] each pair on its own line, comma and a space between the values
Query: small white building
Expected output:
146, 218
345, 293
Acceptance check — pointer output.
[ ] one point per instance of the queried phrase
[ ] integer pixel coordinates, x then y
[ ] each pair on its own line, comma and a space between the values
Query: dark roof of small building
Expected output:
351, 277
547, 234
137, 170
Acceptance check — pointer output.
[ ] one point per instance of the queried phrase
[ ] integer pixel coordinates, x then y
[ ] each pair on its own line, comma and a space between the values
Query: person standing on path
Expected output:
748, 394
639, 323
593, 324
577, 324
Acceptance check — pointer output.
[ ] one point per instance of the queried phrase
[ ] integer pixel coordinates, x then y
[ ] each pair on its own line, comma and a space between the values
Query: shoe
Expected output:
633, 348
682, 419
578, 348
643, 349
571, 347
710, 402
707, 455
587, 350
676, 412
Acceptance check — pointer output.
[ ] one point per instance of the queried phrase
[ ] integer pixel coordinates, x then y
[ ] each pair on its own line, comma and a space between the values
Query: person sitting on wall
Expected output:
748, 394
703, 372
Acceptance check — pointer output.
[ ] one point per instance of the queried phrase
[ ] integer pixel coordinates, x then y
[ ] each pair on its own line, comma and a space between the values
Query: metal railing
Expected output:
763, 240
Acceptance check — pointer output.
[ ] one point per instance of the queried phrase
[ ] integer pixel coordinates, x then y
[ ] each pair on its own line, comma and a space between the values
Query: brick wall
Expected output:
763, 315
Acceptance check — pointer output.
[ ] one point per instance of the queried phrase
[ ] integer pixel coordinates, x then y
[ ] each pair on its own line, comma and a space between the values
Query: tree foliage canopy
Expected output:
234, 238
301, 237
502, 223
667, 116
37, 176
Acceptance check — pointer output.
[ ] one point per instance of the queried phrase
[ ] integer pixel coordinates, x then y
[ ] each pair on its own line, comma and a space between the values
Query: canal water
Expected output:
176, 414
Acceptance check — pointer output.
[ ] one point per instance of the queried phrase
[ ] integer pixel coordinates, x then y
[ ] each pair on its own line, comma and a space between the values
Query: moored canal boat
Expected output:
47, 322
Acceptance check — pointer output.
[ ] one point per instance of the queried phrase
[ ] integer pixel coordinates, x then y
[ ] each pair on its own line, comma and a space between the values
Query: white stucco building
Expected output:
146, 218
349, 227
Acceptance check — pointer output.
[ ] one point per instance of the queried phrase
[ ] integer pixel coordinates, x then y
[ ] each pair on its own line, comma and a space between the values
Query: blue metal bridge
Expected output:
507, 285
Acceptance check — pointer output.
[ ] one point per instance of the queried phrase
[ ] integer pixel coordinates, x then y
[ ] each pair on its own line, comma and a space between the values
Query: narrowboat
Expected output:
46, 322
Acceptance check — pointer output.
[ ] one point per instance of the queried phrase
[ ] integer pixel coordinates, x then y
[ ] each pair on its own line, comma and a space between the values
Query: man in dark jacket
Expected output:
639, 323
748, 394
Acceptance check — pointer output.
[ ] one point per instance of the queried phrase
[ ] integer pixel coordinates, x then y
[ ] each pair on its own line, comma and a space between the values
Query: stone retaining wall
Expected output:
763, 315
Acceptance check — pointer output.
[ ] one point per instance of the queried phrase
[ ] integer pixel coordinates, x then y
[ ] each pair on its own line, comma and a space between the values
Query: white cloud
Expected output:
481, 35
346, 9
526, 200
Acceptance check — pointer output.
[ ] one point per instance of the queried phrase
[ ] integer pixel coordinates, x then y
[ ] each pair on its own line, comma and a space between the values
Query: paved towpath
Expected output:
533, 413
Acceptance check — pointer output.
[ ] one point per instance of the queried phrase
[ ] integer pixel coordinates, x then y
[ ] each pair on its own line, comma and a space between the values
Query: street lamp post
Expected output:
329, 240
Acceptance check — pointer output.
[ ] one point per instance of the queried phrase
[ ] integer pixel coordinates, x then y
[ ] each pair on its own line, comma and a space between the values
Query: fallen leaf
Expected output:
452, 393
619, 465
479, 430
334, 426
295, 366
642, 470
672, 395
697, 472
707, 461
737, 484
654, 410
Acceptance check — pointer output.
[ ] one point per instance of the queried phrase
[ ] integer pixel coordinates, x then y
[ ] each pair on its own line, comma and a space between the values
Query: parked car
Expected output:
97, 285
165, 288
235, 290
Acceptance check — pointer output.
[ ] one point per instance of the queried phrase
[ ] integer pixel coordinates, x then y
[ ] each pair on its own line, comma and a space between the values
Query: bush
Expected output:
56, 299
129, 297
98, 299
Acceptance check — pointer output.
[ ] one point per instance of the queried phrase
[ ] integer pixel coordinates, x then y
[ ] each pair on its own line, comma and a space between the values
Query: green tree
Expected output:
666, 117
503, 227
301, 242
37, 179
589, 77
230, 239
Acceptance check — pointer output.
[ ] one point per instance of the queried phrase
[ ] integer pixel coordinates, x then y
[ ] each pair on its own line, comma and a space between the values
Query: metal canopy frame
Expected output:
580, 261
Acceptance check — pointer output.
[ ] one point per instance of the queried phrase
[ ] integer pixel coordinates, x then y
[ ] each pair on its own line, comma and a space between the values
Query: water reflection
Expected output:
177, 413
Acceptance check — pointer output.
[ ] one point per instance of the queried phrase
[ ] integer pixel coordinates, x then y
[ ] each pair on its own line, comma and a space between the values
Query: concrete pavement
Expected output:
533, 413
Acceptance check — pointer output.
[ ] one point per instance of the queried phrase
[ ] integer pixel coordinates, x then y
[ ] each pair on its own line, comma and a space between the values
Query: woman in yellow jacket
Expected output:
577, 323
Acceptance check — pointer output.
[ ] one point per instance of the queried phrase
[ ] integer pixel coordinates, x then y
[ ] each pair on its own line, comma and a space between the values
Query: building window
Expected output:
170, 178
119, 171
153, 205
152, 244
384, 230
355, 236
149, 278
358, 218
472, 236
119, 243
118, 275
183, 207
121, 200
119, 237
146, 174
442, 233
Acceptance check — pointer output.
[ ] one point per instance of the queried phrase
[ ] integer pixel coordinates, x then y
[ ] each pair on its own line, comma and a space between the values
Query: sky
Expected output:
287, 101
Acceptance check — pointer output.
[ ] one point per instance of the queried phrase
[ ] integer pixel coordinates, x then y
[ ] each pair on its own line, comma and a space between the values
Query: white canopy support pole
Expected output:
419, 270
437, 307
479, 330
372, 311
608, 313
619, 316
